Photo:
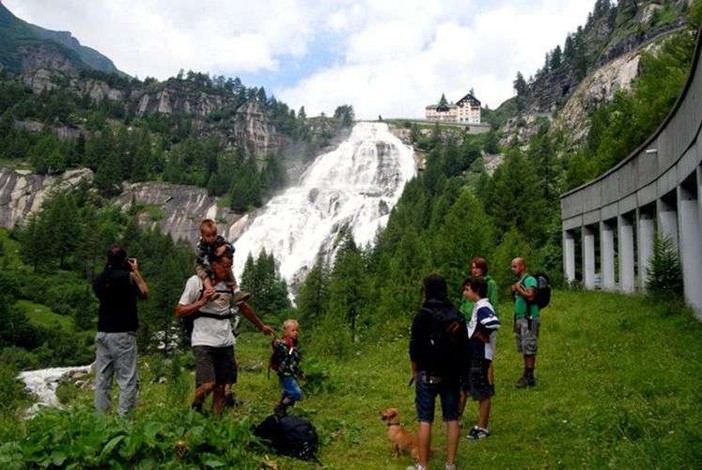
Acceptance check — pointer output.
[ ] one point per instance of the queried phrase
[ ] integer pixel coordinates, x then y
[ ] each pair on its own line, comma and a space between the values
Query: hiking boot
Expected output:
241, 296
477, 433
229, 399
525, 382
196, 407
280, 410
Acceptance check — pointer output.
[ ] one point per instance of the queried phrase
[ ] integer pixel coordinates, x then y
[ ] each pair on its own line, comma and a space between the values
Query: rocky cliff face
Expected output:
597, 88
22, 193
245, 127
610, 45
175, 209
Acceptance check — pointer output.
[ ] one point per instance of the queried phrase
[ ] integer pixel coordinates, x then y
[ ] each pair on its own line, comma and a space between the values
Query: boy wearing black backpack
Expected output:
438, 349
526, 319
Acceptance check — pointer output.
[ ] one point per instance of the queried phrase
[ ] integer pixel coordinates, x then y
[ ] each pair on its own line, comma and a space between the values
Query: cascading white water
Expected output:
355, 185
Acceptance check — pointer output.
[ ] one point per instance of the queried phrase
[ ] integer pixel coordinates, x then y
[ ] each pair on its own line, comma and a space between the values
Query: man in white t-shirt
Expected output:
212, 339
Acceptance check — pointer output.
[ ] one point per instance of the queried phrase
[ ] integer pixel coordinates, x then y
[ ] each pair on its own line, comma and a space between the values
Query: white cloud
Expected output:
390, 57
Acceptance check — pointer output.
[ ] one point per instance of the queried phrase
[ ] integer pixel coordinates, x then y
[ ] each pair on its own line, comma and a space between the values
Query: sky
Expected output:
388, 58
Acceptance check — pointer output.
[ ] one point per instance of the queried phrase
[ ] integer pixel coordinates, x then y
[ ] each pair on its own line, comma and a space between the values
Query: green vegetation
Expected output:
613, 391
41, 316
619, 127
665, 282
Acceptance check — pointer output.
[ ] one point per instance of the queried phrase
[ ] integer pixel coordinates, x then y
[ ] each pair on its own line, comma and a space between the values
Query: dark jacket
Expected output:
118, 301
288, 357
439, 342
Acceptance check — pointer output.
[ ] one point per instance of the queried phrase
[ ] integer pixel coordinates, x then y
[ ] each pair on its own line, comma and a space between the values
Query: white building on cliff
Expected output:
466, 110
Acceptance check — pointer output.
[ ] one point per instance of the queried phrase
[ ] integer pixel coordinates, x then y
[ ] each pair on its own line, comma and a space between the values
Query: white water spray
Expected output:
42, 384
355, 185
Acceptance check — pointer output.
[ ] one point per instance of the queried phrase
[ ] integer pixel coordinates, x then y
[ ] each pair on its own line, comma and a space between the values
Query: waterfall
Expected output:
355, 185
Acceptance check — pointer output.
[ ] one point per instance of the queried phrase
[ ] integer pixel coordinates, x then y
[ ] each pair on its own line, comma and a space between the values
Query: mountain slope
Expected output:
21, 42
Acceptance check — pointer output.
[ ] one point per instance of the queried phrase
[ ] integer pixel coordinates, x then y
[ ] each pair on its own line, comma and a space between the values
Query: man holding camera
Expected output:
117, 289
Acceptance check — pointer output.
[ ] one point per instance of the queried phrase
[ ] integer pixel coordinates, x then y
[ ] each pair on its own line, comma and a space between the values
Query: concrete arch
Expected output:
656, 189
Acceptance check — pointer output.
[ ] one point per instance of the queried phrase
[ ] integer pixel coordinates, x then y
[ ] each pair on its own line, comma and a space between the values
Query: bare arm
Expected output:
183, 310
138, 279
528, 293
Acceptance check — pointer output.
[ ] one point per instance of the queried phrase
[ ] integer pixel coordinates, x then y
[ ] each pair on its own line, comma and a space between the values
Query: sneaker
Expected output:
450, 466
416, 467
241, 296
525, 382
477, 433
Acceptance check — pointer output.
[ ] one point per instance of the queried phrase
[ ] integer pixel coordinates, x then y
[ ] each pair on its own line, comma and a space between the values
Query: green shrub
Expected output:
12, 394
664, 273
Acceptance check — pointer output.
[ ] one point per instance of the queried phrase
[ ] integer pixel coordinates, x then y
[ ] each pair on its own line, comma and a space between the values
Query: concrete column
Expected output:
588, 257
667, 221
607, 255
690, 248
645, 233
569, 255
626, 254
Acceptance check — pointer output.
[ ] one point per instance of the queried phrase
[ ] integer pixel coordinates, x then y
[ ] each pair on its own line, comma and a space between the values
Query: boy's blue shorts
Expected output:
290, 388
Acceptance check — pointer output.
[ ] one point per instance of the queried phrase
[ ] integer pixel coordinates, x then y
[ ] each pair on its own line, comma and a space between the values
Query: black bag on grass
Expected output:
290, 435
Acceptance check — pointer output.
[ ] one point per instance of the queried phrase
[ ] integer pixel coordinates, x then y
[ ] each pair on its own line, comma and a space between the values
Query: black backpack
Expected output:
543, 290
290, 435
448, 328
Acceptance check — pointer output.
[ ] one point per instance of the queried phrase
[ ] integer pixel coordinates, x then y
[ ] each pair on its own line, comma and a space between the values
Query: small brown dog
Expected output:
401, 440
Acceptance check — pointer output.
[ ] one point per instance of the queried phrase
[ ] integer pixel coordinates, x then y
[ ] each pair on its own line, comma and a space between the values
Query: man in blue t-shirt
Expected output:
526, 320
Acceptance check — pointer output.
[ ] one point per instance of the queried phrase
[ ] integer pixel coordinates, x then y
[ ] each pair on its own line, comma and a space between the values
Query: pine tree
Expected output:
312, 297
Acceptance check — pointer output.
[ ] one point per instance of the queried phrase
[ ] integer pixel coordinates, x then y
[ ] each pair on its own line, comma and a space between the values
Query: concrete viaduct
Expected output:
614, 219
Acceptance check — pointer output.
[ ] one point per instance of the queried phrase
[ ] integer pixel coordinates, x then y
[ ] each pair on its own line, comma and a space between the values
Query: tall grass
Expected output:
619, 384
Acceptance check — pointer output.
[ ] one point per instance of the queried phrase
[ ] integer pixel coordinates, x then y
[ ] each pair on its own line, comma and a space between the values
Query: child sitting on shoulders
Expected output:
207, 247
286, 361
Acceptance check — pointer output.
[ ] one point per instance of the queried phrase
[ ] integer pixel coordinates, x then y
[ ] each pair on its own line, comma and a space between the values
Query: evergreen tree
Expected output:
443, 102
347, 281
345, 114
515, 198
61, 216
555, 61
312, 297
467, 232
35, 249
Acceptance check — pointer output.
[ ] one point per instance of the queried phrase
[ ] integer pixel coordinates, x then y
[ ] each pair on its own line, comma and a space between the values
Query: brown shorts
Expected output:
216, 365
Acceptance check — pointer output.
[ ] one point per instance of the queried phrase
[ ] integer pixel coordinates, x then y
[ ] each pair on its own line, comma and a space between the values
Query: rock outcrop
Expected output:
22, 193
176, 209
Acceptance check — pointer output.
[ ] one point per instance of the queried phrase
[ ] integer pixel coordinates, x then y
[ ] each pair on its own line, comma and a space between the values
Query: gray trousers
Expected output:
116, 356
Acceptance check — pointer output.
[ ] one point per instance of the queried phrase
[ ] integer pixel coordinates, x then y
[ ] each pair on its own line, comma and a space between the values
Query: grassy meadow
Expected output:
619, 385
